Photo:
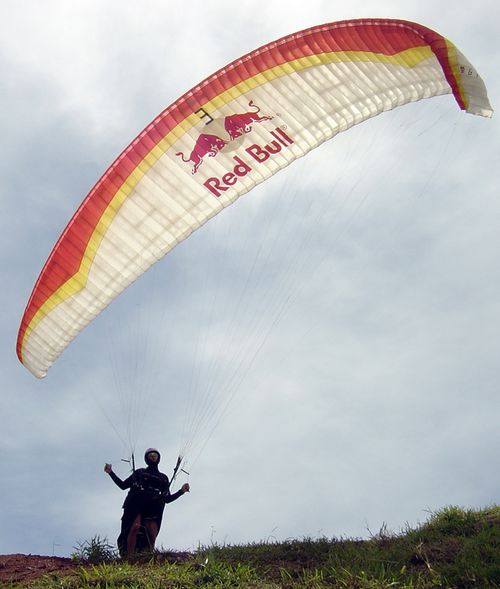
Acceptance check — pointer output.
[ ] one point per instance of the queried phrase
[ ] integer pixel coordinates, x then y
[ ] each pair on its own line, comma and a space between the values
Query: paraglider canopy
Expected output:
229, 133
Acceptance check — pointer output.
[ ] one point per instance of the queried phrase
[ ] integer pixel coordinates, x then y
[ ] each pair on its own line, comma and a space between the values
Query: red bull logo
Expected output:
227, 136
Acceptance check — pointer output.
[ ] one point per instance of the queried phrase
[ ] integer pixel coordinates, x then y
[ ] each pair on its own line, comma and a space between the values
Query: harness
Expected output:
150, 483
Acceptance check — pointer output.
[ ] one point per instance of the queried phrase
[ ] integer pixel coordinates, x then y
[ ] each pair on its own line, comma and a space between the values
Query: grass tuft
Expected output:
94, 551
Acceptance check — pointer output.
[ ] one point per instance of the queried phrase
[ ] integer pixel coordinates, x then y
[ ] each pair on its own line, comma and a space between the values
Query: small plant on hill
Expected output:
97, 550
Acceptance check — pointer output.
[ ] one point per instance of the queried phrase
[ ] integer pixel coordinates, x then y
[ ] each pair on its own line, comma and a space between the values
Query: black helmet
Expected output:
149, 451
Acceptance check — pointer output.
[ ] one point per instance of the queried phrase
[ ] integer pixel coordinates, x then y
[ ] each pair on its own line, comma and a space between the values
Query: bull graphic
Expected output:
205, 145
238, 124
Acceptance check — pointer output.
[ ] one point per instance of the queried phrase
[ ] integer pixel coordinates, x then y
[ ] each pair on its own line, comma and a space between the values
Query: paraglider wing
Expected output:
232, 131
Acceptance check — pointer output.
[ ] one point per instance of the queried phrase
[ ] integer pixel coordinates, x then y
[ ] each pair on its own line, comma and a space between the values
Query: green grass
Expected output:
456, 548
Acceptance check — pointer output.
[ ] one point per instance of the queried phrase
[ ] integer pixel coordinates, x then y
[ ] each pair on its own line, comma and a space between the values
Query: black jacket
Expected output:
148, 484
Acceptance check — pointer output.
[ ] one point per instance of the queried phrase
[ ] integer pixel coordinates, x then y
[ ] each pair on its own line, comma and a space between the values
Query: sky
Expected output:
341, 320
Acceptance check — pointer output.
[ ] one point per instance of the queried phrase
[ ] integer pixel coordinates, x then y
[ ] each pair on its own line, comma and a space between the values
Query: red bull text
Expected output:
257, 155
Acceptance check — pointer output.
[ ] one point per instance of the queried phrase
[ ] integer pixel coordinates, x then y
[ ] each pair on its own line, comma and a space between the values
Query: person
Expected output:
144, 504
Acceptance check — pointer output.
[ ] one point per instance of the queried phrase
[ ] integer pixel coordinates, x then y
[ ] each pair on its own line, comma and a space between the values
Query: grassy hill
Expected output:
454, 548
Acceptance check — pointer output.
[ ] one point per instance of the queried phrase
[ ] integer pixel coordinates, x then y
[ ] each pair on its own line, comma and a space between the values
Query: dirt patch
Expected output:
22, 568
26, 567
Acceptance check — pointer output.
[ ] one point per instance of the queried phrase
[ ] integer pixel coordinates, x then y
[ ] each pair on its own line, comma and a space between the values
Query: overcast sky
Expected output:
367, 391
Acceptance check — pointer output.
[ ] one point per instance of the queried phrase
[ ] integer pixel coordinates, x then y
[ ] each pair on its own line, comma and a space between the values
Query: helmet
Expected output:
149, 451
